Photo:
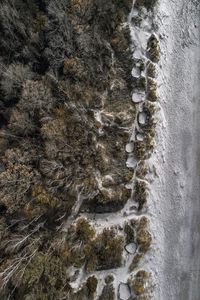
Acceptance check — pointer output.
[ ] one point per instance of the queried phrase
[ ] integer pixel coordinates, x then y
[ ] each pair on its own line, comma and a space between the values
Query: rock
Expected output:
124, 291
131, 161
136, 72
140, 137
131, 248
129, 147
142, 118
138, 97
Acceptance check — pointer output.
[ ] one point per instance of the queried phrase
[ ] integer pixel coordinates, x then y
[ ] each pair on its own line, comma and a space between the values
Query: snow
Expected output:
174, 196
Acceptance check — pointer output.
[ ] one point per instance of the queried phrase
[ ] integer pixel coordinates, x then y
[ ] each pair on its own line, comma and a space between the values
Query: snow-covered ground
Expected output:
175, 194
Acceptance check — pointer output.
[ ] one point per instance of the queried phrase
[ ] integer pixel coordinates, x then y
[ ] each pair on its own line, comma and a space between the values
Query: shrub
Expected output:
130, 233
91, 284
21, 124
140, 193
36, 98
153, 48
139, 282
151, 90
135, 261
140, 150
73, 67
40, 23
108, 293
144, 240
140, 83
108, 200
15, 184
142, 170
52, 270
13, 78
84, 230
149, 4
12, 26
43, 197
105, 251
151, 70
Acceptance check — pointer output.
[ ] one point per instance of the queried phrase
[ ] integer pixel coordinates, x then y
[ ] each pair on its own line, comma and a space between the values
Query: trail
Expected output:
175, 195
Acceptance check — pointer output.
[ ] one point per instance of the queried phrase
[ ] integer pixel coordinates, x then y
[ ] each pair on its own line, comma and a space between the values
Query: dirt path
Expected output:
176, 193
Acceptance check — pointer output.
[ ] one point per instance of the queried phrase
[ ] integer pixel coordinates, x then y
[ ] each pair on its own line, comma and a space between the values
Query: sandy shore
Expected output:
175, 196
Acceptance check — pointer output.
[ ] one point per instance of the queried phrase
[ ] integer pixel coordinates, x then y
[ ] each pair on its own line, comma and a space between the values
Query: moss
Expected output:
153, 48
135, 261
